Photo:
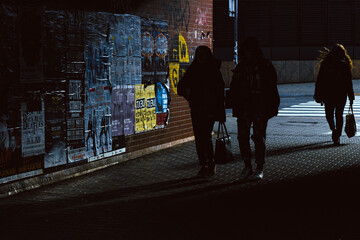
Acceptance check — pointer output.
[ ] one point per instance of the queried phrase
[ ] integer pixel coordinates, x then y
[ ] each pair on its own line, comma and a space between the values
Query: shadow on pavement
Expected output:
299, 148
320, 206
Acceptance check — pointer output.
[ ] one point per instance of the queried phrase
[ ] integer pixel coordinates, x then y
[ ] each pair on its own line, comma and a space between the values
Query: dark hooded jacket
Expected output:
203, 87
334, 83
263, 98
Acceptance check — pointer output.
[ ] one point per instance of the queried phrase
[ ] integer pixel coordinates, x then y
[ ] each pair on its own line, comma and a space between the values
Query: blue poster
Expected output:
162, 104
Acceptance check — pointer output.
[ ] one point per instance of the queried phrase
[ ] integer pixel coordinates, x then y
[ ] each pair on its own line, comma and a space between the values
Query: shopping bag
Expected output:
223, 152
350, 125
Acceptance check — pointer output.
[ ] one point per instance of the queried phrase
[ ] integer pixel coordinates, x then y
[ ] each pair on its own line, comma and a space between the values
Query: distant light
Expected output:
232, 8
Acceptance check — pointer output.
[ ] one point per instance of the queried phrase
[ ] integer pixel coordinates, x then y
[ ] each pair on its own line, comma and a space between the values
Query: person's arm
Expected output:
183, 88
272, 75
349, 87
318, 86
234, 87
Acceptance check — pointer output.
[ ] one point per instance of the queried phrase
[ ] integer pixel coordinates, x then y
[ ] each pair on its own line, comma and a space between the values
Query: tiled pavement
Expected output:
309, 192
158, 197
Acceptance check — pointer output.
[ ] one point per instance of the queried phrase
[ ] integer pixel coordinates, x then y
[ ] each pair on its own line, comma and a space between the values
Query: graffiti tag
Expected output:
178, 13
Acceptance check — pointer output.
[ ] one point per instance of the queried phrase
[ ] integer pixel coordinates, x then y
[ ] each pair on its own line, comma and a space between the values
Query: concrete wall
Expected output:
290, 71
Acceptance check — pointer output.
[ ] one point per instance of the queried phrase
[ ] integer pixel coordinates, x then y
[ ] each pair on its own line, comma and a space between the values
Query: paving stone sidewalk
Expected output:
295, 149
309, 192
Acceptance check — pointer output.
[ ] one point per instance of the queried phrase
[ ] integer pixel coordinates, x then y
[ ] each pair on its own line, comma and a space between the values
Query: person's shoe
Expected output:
257, 175
207, 171
245, 173
203, 171
211, 168
335, 137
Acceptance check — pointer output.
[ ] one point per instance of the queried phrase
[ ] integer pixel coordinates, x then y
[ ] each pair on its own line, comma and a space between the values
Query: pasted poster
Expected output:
75, 77
10, 138
32, 129
98, 138
162, 104
32, 136
75, 121
154, 51
118, 145
123, 110
99, 57
125, 36
145, 112
179, 60
55, 128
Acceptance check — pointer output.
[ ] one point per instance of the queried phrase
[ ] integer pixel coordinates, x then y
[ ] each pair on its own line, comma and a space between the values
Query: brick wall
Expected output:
193, 21
57, 75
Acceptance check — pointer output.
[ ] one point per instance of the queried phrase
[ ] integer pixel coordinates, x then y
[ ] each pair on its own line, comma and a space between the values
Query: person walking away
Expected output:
333, 86
254, 99
203, 87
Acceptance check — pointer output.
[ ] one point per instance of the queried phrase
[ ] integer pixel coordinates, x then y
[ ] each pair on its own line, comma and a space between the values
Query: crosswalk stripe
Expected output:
313, 109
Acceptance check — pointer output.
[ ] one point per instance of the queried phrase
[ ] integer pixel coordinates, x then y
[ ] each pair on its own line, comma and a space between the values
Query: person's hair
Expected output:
337, 53
250, 44
203, 50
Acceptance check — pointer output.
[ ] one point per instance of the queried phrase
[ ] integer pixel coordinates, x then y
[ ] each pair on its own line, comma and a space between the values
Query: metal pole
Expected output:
235, 34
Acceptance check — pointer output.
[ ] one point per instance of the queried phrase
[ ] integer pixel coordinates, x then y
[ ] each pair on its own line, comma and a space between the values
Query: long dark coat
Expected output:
203, 87
240, 89
334, 83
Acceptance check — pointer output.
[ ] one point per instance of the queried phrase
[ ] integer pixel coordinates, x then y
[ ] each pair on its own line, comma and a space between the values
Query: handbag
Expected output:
223, 152
350, 125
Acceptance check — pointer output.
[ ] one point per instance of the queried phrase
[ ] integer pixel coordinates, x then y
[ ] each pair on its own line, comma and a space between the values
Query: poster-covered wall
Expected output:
82, 82
155, 64
145, 114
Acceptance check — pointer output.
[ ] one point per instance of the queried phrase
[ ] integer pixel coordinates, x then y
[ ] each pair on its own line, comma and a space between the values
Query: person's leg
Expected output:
94, 142
339, 111
87, 140
197, 128
244, 125
259, 138
207, 128
101, 133
329, 112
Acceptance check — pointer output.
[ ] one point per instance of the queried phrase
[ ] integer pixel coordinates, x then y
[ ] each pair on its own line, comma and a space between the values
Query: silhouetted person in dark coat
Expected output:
203, 87
333, 86
255, 99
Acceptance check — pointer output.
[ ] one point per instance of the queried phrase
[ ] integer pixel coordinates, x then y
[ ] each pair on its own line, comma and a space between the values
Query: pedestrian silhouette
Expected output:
203, 87
333, 86
254, 98
91, 132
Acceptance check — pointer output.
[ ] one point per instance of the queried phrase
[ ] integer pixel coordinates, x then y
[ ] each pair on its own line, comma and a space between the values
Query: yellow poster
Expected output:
174, 75
145, 114
150, 107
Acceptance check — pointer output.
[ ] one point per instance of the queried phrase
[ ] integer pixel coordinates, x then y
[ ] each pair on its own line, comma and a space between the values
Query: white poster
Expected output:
32, 131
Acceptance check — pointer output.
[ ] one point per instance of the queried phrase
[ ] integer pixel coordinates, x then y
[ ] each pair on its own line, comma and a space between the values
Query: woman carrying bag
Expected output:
333, 86
203, 87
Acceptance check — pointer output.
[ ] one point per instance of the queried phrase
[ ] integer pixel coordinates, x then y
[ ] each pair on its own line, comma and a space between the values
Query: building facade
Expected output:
291, 32
86, 85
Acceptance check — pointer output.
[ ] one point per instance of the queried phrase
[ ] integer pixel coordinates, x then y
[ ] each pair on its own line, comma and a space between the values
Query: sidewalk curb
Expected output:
12, 188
